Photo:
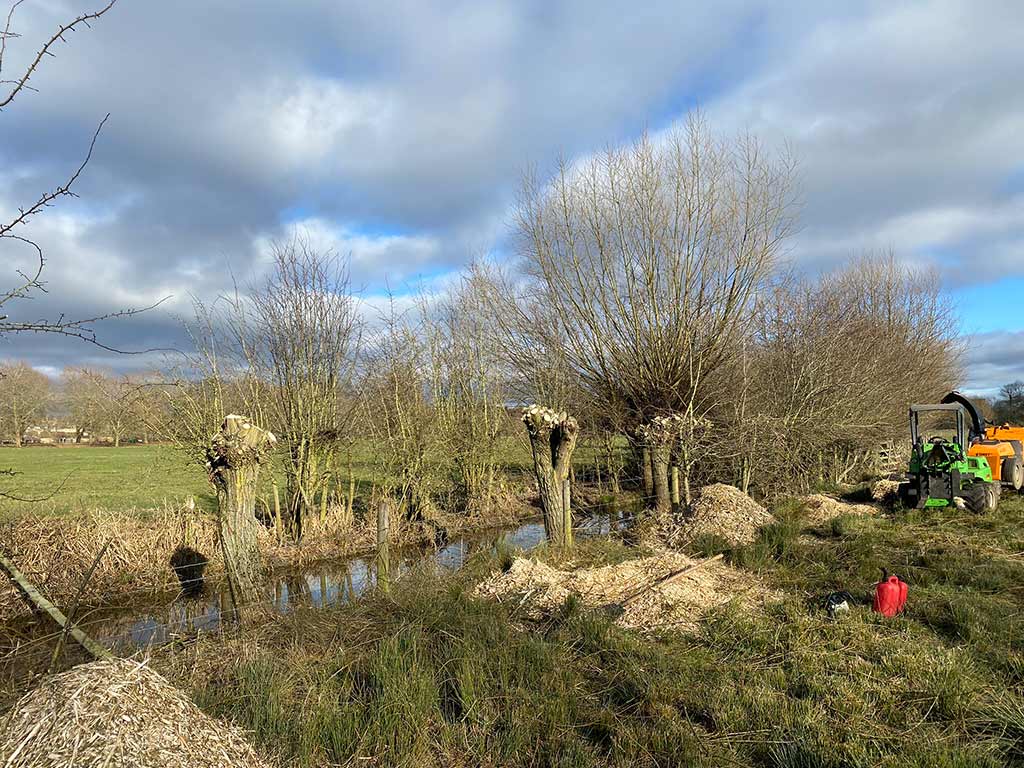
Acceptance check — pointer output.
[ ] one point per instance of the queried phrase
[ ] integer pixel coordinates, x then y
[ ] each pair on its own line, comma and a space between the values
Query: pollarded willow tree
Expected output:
553, 437
645, 262
283, 352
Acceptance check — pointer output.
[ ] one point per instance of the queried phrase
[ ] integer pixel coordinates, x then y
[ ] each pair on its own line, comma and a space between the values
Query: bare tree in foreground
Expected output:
285, 353
300, 339
30, 283
234, 458
553, 437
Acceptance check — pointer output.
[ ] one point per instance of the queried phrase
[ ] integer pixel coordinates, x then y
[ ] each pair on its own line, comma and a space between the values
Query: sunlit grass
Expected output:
432, 676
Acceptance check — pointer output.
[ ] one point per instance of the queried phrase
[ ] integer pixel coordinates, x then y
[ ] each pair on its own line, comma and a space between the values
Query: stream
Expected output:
325, 583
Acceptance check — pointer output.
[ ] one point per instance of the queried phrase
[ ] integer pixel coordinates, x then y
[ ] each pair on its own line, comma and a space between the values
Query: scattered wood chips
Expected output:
720, 510
117, 713
681, 603
821, 508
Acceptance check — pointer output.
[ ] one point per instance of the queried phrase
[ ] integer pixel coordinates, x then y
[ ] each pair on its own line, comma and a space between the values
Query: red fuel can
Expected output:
890, 596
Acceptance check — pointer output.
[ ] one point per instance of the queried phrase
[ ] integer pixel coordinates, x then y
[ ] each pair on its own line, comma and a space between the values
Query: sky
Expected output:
397, 134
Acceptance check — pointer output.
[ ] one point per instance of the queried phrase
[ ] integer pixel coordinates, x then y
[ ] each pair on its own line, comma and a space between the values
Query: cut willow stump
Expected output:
233, 460
553, 438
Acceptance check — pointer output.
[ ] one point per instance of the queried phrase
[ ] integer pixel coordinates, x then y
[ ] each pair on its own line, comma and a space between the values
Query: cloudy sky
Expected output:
397, 132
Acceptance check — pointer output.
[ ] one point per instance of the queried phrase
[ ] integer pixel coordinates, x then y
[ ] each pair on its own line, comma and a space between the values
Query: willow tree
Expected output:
553, 437
299, 333
645, 262
234, 457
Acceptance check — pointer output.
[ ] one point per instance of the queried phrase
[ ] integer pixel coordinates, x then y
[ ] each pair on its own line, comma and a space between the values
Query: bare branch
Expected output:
21, 82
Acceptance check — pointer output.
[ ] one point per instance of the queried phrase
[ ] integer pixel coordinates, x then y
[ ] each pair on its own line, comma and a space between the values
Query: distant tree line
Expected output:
84, 405
1007, 407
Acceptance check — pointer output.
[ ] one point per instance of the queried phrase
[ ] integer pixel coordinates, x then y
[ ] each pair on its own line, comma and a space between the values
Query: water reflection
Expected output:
325, 584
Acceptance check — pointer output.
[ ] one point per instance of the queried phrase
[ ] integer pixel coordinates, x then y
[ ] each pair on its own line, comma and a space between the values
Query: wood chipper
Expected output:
941, 471
1000, 446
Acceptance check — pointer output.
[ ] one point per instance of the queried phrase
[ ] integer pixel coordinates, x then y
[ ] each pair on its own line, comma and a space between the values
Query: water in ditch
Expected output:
322, 584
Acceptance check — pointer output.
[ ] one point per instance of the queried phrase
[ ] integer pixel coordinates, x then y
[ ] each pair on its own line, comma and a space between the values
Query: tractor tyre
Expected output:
976, 497
1013, 472
992, 494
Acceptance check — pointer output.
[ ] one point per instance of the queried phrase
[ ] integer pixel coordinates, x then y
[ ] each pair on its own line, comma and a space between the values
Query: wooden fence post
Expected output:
567, 511
675, 486
383, 559
277, 514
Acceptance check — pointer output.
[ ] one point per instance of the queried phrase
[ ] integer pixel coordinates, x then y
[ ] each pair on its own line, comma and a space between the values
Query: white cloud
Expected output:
393, 259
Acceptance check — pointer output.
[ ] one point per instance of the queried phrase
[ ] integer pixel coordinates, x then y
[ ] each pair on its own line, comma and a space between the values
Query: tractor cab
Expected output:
942, 470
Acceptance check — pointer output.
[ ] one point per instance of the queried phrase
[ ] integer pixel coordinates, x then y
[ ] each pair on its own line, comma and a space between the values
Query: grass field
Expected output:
429, 675
141, 477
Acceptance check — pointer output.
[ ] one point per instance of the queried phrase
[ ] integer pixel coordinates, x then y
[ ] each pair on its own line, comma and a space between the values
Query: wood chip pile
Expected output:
821, 508
541, 590
719, 510
885, 491
117, 713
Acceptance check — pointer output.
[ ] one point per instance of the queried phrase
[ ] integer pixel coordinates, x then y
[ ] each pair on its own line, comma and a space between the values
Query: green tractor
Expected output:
940, 470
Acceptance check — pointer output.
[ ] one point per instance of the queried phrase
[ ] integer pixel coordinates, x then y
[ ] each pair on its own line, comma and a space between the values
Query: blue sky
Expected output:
397, 132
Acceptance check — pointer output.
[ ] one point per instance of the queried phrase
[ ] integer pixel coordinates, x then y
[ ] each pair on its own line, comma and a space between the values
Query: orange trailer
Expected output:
1002, 447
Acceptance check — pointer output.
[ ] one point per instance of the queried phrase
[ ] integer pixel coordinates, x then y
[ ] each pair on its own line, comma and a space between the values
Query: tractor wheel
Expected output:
1013, 472
997, 493
976, 497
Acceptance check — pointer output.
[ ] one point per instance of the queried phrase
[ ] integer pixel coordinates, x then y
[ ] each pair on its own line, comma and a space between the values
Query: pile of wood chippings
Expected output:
117, 713
884, 491
718, 509
821, 508
627, 589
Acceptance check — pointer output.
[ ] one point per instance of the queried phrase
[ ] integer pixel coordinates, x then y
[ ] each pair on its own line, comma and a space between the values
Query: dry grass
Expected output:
117, 713
55, 552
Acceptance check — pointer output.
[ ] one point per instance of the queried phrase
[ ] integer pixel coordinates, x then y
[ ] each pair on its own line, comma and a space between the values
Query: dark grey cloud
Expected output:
993, 359
396, 132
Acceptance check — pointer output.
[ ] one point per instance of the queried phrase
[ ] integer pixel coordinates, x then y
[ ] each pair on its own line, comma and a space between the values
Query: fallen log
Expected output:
34, 596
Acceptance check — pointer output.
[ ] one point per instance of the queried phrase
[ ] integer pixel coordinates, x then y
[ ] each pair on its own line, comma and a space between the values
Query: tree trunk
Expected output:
674, 482
552, 440
234, 458
648, 471
660, 456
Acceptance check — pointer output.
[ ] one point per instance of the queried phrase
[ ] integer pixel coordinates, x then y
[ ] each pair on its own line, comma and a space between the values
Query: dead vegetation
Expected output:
117, 713
884, 491
630, 589
55, 552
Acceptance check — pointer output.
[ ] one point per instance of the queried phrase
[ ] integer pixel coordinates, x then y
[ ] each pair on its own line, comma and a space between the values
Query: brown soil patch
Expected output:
542, 590
718, 509
821, 508
117, 713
